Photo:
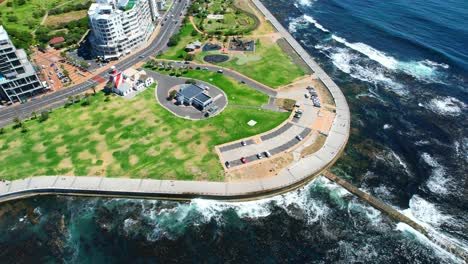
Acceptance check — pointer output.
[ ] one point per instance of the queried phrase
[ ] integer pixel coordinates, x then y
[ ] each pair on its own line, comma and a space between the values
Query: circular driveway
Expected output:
166, 83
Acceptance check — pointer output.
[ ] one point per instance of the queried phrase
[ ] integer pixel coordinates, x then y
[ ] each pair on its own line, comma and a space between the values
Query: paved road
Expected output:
165, 83
57, 99
235, 75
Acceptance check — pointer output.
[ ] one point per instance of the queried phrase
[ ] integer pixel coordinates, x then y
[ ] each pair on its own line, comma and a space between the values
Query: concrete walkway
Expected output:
292, 177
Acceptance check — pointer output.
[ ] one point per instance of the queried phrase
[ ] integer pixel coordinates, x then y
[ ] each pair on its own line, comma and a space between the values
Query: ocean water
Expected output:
403, 66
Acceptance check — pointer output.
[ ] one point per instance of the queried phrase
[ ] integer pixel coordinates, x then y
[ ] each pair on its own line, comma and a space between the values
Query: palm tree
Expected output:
94, 88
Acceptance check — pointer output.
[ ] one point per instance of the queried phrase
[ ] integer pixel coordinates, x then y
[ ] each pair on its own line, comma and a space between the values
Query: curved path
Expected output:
292, 177
165, 83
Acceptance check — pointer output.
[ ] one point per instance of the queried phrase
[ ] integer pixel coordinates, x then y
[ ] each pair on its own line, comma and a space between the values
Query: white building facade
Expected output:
118, 27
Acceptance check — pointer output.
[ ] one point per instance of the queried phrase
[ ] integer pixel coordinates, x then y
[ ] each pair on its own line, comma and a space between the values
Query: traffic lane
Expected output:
44, 101
30, 106
240, 78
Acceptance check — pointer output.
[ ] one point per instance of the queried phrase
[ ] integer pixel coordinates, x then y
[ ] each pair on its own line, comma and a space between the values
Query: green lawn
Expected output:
239, 94
234, 21
178, 52
131, 138
269, 64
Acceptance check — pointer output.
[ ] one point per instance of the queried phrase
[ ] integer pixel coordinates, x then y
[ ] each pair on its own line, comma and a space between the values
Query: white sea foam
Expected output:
302, 21
352, 64
425, 213
305, 2
449, 106
424, 70
438, 181
316, 24
423, 239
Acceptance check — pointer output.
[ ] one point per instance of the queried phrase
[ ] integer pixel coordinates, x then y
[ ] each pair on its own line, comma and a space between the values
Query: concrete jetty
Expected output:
396, 215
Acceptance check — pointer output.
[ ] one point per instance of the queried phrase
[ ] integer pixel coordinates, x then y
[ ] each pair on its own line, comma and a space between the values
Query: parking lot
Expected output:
53, 69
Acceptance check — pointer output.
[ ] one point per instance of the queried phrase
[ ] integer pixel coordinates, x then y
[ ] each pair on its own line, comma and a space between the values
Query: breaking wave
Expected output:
438, 181
445, 106
352, 64
425, 70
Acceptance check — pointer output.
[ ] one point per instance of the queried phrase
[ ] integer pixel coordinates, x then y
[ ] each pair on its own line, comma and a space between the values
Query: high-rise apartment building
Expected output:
120, 26
18, 79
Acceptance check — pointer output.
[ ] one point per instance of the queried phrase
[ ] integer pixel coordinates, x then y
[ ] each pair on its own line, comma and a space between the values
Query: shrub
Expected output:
44, 116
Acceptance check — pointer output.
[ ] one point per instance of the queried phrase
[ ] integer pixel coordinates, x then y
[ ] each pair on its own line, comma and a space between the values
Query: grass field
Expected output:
66, 17
269, 64
178, 52
235, 21
130, 138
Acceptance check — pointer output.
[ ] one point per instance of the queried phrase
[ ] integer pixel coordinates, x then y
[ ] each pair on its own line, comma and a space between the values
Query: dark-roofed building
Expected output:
194, 95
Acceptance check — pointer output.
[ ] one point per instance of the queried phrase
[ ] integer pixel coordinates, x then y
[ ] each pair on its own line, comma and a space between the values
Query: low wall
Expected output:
292, 177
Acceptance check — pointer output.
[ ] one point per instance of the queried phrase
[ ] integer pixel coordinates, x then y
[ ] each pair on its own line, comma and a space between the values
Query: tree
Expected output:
94, 89
33, 115
17, 122
2, 130
77, 98
172, 95
24, 129
44, 116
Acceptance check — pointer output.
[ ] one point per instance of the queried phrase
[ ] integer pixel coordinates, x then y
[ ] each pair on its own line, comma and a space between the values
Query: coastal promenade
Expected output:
289, 178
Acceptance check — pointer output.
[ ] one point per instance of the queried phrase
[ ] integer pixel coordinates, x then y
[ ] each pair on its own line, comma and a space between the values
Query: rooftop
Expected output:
190, 91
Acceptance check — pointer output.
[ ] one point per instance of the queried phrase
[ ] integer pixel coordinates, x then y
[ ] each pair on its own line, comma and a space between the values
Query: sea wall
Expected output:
292, 177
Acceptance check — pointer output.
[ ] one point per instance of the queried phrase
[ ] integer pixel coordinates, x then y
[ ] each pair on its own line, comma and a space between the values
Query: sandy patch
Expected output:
39, 147
66, 163
85, 155
180, 154
133, 159
62, 150
186, 134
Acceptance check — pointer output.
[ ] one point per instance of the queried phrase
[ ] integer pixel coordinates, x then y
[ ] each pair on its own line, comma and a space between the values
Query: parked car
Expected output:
243, 160
243, 81
298, 137
227, 164
306, 95
198, 68
243, 143
297, 115
267, 154
220, 71
259, 156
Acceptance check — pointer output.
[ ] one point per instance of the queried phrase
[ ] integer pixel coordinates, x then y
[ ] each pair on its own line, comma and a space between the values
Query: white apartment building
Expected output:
120, 26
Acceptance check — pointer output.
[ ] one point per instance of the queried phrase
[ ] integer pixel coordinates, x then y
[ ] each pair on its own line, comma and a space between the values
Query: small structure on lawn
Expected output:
197, 44
239, 44
194, 95
190, 47
56, 40
123, 83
